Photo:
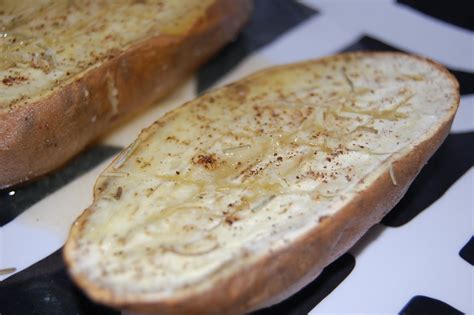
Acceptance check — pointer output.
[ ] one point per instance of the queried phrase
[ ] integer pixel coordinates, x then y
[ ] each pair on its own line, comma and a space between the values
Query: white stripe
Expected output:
319, 36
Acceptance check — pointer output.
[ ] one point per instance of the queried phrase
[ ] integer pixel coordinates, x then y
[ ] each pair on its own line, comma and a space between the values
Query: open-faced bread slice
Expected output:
69, 70
239, 198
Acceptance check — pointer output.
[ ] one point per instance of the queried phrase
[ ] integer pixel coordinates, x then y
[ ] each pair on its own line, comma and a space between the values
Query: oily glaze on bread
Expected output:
69, 70
239, 198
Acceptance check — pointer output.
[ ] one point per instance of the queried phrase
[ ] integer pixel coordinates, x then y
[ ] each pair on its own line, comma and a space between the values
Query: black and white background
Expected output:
418, 260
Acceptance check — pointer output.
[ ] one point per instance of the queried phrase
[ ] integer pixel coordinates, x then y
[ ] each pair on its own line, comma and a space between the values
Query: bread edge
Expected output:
284, 272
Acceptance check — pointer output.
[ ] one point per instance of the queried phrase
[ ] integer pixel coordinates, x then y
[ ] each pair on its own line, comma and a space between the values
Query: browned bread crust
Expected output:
43, 135
283, 272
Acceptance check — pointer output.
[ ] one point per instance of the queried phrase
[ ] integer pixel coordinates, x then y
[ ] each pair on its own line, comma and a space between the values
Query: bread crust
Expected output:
43, 135
283, 272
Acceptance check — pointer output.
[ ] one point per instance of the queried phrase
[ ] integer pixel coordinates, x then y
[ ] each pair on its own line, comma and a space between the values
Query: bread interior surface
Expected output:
247, 170
46, 43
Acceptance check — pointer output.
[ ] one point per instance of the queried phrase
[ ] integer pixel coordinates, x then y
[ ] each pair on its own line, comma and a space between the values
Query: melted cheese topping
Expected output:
245, 170
45, 43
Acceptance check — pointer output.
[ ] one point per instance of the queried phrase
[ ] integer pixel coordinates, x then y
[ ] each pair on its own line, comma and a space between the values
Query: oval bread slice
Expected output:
70, 70
241, 197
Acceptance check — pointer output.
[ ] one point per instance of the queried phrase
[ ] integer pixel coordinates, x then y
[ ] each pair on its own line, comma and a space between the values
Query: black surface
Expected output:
465, 79
423, 305
12, 205
270, 19
467, 252
310, 296
368, 43
454, 158
456, 12
45, 288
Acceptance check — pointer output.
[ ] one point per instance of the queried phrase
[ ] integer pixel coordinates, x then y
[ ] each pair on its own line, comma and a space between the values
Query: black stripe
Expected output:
45, 288
459, 13
270, 19
423, 305
368, 43
14, 201
310, 296
466, 81
467, 252
453, 159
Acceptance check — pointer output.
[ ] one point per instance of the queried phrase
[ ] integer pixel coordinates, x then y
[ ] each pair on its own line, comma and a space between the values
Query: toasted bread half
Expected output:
69, 70
239, 198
